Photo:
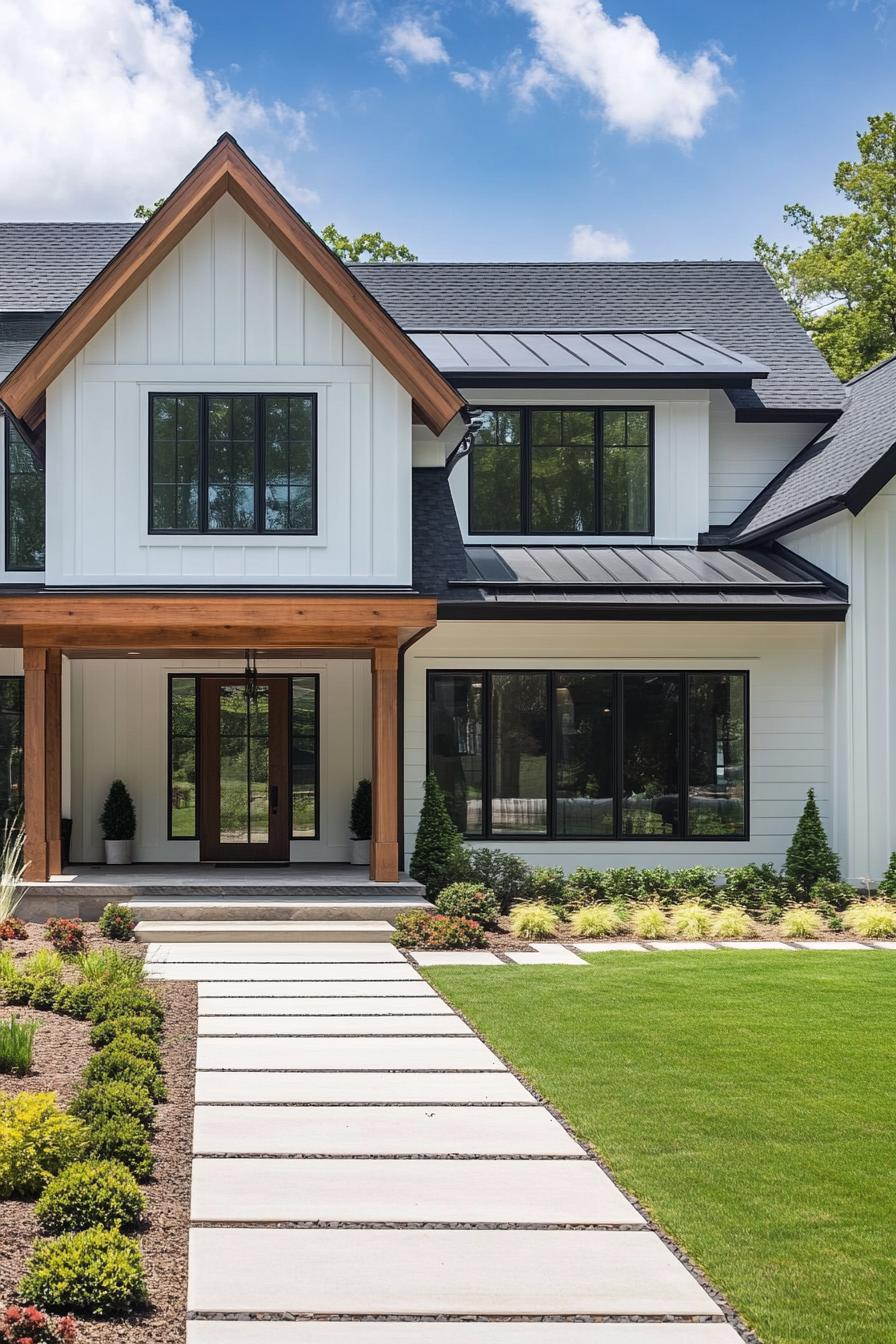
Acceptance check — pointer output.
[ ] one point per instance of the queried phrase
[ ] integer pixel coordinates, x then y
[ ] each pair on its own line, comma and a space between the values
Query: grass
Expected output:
746, 1098
16, 1045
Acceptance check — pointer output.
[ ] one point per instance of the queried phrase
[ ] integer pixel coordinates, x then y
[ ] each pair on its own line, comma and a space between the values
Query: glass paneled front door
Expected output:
245, 808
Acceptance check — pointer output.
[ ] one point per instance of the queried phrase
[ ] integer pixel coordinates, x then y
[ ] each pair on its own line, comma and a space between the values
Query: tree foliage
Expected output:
366, 247
810, 856
438, 857
842, 284
143, 212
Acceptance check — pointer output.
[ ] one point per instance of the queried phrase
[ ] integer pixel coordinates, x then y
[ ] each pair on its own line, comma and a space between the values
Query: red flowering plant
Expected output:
66, 935
28, 1325
11, 928
420, 928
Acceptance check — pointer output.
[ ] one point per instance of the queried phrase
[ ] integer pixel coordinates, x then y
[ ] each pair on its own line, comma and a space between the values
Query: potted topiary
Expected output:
361, 822
119, 823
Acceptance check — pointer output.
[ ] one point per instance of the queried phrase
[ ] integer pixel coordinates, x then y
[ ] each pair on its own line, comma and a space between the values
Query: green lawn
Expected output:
748, 1099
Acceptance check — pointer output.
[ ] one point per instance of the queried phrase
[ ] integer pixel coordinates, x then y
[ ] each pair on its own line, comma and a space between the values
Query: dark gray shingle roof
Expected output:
732, 302
17, 335
43, 267
844, 468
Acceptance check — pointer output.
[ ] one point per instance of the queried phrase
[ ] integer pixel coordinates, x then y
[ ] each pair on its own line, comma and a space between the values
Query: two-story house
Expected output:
607, 547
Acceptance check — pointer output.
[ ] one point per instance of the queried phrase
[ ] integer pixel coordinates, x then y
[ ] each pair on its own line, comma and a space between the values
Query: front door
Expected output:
244, 809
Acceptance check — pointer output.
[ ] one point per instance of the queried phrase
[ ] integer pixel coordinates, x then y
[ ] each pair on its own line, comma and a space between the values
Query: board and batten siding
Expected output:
119, 730
790, 708
743, 458
226, 312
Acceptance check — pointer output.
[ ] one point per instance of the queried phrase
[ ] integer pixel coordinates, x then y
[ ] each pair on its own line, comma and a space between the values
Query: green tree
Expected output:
842, 284
147, 211
887, 886
366, 247
810, 856
438, 858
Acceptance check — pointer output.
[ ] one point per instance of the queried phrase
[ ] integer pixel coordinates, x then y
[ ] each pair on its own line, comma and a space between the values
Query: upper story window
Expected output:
562, 470
24, 490
233, 462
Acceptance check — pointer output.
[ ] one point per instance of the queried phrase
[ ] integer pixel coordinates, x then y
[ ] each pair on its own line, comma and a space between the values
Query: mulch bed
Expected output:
62, 1049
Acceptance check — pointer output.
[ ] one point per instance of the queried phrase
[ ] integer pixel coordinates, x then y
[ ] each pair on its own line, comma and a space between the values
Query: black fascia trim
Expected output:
571, 611
812, 513
873, 481
461, 378
748, 415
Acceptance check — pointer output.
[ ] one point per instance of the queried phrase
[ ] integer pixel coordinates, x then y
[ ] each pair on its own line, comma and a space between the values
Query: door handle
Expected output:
275, 799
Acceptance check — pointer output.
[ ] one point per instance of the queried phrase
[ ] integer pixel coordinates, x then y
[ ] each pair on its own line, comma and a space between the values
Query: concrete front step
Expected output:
346, 905
263, 931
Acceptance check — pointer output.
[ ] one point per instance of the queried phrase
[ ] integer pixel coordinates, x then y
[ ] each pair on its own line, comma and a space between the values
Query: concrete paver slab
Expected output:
372, 1088
831, 945
399, 1191
888, 945
323, 1007
609, 947
459, 1332
756, 945
359, 972
340, 1052
283, 953
447, 1025
680, 945
381, 1130
425, 1272
546, 954
460, 958
411, 986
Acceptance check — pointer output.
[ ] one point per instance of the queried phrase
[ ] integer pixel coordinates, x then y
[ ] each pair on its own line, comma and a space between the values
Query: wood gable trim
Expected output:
228, 169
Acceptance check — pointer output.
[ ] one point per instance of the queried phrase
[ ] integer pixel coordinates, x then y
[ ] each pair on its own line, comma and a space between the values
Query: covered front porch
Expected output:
241, 726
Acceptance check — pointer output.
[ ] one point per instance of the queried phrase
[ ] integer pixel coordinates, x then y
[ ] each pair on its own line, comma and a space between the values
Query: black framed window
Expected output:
305, 756
233, 463
592, 754
25, 504
565, 471
12, 747
183, 758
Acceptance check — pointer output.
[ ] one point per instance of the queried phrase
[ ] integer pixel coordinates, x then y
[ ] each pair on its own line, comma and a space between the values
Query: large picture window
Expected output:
233, 463
24, 490
12, 748
592, 755
567, 471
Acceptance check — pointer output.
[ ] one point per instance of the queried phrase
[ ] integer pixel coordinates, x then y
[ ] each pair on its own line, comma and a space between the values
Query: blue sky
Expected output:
414, 119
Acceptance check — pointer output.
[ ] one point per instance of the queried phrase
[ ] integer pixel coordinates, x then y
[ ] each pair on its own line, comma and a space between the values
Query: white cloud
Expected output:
589, 244
639, 88
103, 108
408, 43
353, 15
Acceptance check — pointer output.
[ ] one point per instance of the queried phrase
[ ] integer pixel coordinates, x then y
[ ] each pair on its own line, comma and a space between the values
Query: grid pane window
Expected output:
496, 468
183, 758
583, 757
519, 753
231, 464
717, 753
175, 463
304, 758
456, 726
650, 754
625, 471
289, 464
562, 471
25, 526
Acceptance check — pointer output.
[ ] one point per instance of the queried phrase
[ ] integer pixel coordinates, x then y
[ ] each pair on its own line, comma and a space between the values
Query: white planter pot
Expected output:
360, 852
118, 851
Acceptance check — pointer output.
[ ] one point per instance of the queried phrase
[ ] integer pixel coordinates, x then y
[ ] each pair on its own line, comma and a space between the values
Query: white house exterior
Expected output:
606, 547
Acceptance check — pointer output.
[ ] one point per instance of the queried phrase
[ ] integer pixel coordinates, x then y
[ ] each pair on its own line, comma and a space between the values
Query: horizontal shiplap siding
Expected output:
790, 738
743, 458
226, 312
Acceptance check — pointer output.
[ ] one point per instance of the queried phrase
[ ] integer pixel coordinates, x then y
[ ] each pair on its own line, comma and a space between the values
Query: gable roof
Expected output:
227, 169
44, 267
844, 467
734, 303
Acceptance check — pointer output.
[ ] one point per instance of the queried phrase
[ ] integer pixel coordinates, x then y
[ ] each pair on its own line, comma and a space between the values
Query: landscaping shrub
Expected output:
11, 929
547, 886
801, 921
695, 884
583, 886
649, 921
95, 1102
755, 887
691, 920
130, 1042
103, 1033
118, 923
419, 928
361, 818
120, 1002
43, 975
66, 935
109, 968
12, 866
98, 1272
887, 884
533, 919
623, 885
30, 1325
90, 1194
118, 819
14, 987
470, 901
37, 1140
438, 857
16, 1045
810, 856
658, 885
732, 922
113, 1062
507, 875
596, 921
871, 919
122, 1138
76, 1000
832, 895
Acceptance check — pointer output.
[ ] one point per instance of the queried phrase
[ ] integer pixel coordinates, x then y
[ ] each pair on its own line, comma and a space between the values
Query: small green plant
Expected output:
583, 886
596, 921
42, 972
801, 921
533, 919
16, 1045
30, 1325
103, 1033
37, 1140
871, 919
90, 1194
623, 885
887, 884
810, 856
732, 922
12, 868
361, 820
649, 921
438, 857
65, 935
114, 1062
470, 901
420, 928
691, 920
12, 930
14, 986
829, 895
96, 1102
122, 1138
118, 923
110, 968
121, 1001
695, 884
98, 1272
76, 1000
548, 885
507, 875
658, 885
118, 819
756, 887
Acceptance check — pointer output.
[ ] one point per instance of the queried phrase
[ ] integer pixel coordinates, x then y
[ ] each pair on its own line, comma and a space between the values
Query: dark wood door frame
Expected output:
211, 848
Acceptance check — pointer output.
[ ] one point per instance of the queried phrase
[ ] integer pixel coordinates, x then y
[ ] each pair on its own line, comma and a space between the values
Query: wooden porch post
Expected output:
384, 840
43, 762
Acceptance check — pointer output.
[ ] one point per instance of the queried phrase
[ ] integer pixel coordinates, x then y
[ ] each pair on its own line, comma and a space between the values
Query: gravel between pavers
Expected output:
62, 1049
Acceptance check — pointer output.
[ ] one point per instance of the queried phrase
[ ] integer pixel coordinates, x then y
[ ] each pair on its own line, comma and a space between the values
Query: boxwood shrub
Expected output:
114, 1062
90, 1194
103, 1033
121, 1001
122, 1138
470, 901
114, 1098
118, 922
98, 1272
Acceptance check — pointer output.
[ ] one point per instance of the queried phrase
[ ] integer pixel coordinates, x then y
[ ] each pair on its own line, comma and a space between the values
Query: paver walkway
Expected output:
359, 1153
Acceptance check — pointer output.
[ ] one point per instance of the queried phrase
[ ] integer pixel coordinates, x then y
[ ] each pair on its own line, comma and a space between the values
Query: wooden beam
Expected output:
37, 860
384, 839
